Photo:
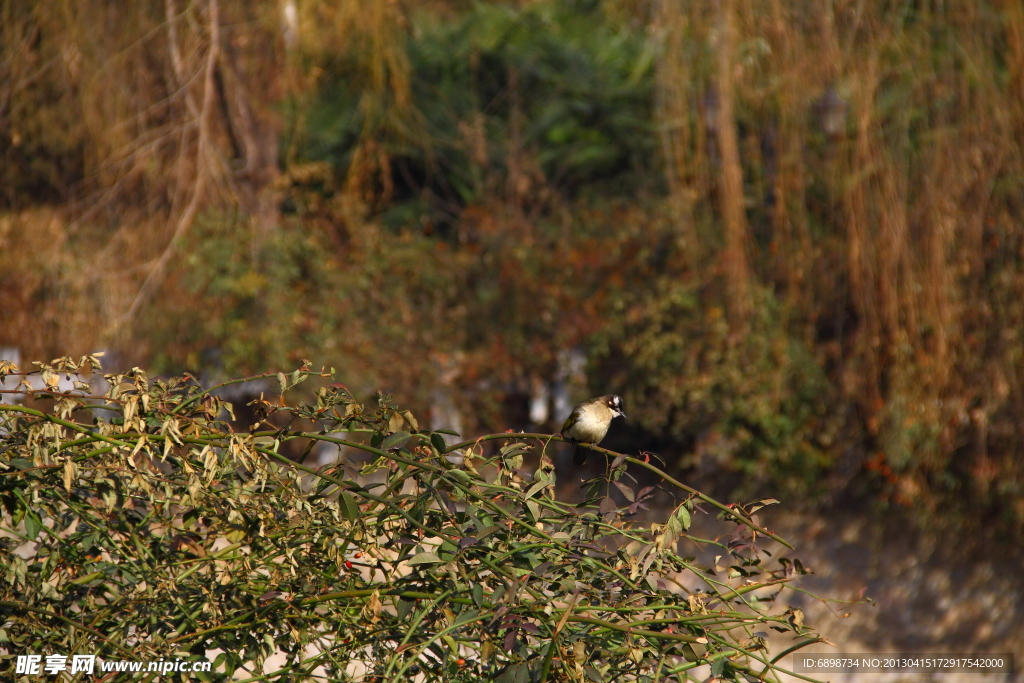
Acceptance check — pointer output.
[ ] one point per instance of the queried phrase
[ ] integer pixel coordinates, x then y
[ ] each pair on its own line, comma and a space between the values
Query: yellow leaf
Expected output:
70, 472
372, 608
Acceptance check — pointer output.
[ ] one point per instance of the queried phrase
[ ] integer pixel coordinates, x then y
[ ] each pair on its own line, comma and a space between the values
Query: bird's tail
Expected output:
579, 455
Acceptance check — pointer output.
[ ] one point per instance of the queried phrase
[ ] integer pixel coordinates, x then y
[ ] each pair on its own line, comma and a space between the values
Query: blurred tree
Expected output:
486, 185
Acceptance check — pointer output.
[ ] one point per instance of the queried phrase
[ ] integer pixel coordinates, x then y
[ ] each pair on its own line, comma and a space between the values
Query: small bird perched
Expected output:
589, 421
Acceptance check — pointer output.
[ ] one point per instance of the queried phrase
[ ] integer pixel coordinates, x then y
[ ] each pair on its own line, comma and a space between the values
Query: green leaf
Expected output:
438, 442
684, 517
466, 616
33, 524
515, 448
425, 558
462, 476
514, 673
324, 483
349, 507
717, 667
536, 487
673, 527
404, 607
694, 651
396, 440
478, 595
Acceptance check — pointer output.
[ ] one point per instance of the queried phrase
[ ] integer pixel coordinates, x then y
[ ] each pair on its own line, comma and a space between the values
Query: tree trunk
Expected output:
734, 257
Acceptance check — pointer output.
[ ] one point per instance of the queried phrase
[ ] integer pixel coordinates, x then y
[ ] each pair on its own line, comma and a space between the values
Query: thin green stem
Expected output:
646, 465
17, 606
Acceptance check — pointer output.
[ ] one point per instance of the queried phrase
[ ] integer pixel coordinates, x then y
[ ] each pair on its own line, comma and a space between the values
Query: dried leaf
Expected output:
70, 472
414, 425
371, 610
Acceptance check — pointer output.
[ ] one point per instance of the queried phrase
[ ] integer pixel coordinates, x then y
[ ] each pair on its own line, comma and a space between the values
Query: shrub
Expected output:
156, 530
754, 404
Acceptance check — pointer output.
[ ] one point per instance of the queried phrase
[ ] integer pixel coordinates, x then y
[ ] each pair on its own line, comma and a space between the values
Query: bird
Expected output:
588, 423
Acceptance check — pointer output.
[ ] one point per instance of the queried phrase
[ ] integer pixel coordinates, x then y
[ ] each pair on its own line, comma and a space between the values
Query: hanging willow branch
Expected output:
202, 154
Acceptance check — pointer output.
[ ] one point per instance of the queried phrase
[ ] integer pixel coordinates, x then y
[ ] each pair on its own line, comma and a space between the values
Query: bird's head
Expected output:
614, 404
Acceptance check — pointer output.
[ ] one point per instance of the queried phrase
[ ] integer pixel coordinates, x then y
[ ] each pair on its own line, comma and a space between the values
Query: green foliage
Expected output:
553, 88
44, 132
155, 530
497, 309
756, 404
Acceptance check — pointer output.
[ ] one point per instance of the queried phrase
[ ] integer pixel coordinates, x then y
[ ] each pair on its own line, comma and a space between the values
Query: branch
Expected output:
646, 465
155, 276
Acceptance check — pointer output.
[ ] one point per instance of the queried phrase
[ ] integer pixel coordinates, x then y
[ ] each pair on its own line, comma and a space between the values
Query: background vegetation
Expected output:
789, 233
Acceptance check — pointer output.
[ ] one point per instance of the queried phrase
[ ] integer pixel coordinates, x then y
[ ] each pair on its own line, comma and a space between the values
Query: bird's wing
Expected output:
570, 421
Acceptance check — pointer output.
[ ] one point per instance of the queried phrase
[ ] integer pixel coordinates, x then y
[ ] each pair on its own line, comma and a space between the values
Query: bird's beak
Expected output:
621, 414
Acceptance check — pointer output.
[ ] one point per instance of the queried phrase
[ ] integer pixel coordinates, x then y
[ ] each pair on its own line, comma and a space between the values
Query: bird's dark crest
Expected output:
614, 401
